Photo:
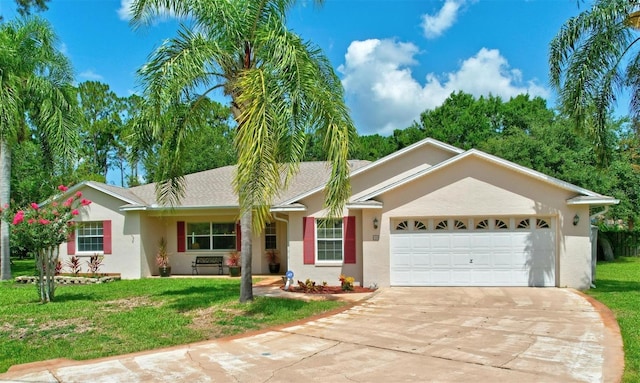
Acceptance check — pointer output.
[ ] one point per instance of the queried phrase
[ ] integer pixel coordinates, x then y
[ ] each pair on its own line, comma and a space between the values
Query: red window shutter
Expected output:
182, 243
309, 240
238, 237
106, 232
349, 224
71, 243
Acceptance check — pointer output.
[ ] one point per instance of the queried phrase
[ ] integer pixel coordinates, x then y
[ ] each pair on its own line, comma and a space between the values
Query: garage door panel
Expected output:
482, 260
420, 242
440, 277
441, 260
473, 258
505, 260
481, 278
460, 242
460, 277
421, 260
460, 260
440, 242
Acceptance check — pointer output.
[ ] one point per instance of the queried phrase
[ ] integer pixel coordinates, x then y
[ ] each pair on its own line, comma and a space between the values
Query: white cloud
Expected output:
125, 10
125, 13
435, 25
384, 95
90, 75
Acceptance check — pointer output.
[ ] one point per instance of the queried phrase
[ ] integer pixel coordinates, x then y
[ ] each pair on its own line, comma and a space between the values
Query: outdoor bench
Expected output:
207, 261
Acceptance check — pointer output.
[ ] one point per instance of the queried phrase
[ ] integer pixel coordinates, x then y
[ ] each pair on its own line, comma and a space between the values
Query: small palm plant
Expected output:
162, 258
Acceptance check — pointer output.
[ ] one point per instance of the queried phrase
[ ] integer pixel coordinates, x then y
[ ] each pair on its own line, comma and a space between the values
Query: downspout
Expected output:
275, 216
594, 244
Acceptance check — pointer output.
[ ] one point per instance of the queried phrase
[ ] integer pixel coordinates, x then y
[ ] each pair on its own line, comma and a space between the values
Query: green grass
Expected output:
618, 287
94, 321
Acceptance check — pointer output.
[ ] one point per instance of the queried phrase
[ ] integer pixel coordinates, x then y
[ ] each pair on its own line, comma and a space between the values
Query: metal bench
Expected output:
207, 261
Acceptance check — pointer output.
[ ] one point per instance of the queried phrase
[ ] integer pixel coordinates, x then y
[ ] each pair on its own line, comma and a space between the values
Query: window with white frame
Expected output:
211, 236
90, 237
270, 239
329, 240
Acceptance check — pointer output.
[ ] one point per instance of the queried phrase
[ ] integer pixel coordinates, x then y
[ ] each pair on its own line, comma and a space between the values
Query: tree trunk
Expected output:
5, 191
246, 283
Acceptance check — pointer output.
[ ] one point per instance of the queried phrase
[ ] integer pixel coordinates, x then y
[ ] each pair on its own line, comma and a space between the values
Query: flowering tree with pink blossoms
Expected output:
41, 229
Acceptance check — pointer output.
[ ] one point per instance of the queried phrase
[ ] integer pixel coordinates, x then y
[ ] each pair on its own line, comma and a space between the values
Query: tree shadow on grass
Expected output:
609, 286
69, 296
197, 297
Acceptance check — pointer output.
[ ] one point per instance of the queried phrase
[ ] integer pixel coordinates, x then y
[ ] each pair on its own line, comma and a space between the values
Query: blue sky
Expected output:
396, 58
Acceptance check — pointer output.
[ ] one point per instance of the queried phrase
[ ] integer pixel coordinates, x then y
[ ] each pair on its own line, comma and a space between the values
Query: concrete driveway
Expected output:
398, 335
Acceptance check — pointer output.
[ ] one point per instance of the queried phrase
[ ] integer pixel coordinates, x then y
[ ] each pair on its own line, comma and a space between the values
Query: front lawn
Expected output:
94, 321
618, 287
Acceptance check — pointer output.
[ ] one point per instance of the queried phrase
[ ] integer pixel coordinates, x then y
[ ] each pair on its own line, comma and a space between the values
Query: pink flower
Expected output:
75, 212
68, 202
18, 218
31, 221
34, 206
85, 202
54, 204
43, 221
78, 194
63, 188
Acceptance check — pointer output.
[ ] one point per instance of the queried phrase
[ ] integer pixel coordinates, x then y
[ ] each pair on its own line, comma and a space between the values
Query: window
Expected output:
419, 225
329, 240
90, 237
483, 225
459, 225
500, 224
270, 241
211, 236
524, 224
442, 225
542, 224
402, 226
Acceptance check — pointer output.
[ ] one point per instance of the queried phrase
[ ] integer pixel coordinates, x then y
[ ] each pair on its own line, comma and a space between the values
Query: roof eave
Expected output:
364, 205
288, 208
593, 201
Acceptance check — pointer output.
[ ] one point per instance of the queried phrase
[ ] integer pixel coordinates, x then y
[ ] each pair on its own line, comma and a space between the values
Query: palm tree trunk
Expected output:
5, 190
246, 283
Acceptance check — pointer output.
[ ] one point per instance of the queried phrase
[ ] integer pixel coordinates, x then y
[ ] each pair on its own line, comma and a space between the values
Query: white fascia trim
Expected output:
431, 141
364, 205
76, 187
488, 157
595, 201
133, 207
288, 208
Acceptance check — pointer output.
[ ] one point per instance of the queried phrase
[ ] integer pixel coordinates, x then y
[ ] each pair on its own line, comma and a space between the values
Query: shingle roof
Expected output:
214, 188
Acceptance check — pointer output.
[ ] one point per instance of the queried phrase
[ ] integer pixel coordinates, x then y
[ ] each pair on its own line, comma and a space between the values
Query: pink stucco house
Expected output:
427, 215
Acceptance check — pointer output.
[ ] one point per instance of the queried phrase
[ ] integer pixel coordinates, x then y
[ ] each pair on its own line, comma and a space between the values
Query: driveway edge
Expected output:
613, 366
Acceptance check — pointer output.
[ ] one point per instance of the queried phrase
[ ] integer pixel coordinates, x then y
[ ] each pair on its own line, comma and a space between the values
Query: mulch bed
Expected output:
330, 290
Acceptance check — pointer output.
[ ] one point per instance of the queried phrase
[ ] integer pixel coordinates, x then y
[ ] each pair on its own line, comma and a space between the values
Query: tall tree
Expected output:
280, 87
208, 145
26, 6
128, 153
593, 58
100, 126
35, 89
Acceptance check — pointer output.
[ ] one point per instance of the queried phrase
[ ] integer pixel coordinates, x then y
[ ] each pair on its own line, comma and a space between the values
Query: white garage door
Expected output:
473, 252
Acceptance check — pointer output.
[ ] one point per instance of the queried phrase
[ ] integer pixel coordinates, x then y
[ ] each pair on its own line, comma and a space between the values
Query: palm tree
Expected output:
594, 57
35, 90
280, 88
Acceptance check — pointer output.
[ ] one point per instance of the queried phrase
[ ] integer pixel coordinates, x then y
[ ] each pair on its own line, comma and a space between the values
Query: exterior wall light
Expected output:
576, 219
375, 222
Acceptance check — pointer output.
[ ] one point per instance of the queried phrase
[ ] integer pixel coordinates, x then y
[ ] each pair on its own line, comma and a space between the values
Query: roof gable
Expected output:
474, 153
363, 170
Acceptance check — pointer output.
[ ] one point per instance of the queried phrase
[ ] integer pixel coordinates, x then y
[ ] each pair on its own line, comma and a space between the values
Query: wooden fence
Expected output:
624, 243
